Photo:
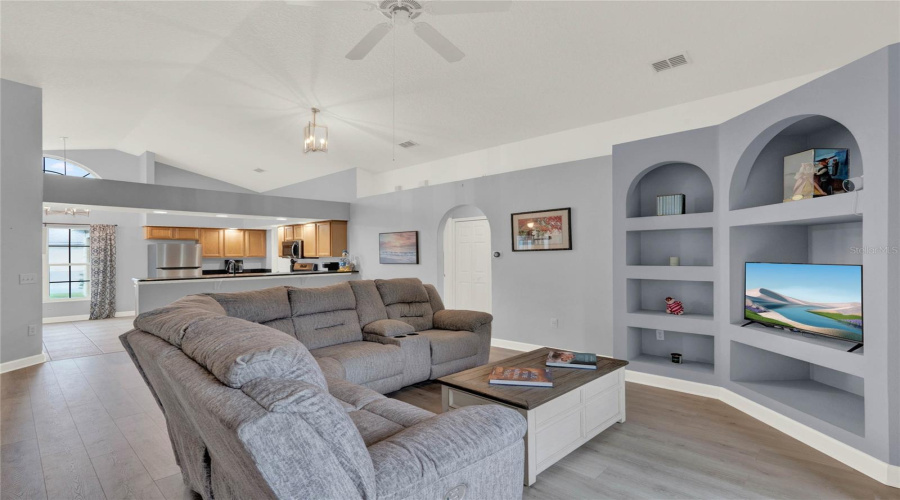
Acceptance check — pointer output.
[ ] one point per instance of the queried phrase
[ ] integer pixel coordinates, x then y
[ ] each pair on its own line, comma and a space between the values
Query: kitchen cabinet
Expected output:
320, 239
158, 233
233, 245
254, 243
213, 242
308, 235
185, 233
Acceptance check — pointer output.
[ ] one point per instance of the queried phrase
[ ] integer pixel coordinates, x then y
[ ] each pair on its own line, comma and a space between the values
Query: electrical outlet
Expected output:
28, 278
660, 335
32, 330
554, 322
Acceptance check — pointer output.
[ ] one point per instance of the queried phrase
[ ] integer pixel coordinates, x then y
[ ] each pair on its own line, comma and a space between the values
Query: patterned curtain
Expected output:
103, 271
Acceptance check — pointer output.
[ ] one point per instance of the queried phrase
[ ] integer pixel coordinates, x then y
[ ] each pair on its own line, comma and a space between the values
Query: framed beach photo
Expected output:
398, 248
544, 230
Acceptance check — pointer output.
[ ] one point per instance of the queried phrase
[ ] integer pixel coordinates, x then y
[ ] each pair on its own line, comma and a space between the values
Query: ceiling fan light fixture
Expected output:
315, 137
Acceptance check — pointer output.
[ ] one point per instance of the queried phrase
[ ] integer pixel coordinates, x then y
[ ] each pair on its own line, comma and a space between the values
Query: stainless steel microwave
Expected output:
292, 249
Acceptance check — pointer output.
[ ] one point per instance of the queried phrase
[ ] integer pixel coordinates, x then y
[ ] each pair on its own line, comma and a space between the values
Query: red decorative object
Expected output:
674, 307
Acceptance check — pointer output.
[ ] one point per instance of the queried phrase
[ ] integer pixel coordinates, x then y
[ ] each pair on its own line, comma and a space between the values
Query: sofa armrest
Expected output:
457, 319
419, 456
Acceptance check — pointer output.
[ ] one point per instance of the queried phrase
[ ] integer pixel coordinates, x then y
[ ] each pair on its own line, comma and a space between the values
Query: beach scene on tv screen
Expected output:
824, 299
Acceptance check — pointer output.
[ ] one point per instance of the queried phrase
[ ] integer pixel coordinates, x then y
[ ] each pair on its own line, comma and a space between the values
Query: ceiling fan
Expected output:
403, 12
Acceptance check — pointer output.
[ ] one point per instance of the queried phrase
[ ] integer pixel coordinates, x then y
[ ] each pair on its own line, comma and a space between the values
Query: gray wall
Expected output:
20, 218
168, 175
340, 186
529, 288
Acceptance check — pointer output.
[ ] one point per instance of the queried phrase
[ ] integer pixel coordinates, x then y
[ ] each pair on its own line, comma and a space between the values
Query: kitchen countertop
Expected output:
241, 275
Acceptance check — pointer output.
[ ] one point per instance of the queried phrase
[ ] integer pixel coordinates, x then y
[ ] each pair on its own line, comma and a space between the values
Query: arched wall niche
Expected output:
758, 177
672, 177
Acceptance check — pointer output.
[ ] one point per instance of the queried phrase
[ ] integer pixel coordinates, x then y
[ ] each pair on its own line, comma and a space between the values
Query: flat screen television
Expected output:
822, 299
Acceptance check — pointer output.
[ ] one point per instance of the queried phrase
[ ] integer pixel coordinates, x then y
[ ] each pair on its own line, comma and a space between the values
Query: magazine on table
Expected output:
569, 359
533, 377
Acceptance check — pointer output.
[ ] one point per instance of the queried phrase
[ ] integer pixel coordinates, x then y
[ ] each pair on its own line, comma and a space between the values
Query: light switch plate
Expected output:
32, 330
660, 335
554, 322
28, 278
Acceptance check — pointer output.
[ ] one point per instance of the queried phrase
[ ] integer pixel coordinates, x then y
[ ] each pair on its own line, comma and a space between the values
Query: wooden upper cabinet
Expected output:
213, 242
338, 237
234, 243
308, 235
323, 239
158, 233
254, 243
288, 233
185, 233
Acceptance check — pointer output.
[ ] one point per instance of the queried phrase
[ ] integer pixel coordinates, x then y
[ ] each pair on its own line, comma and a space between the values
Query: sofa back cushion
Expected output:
237, 351
324, 316
170, 322
258, 306
369, 306
406, 299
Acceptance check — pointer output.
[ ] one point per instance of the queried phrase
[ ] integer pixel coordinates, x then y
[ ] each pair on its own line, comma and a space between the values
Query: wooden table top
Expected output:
475, 380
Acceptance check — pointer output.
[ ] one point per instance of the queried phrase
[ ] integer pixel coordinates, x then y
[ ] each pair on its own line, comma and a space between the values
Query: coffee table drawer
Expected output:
601, 384
556, 437
558, 406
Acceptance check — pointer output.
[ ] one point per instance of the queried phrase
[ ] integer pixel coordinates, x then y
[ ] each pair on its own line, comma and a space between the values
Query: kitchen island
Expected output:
152, 293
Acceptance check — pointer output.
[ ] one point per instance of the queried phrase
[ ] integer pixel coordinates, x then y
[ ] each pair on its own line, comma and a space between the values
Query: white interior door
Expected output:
472, 264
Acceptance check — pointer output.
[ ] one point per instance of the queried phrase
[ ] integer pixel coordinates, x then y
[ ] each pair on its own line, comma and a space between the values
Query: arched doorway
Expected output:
465, 250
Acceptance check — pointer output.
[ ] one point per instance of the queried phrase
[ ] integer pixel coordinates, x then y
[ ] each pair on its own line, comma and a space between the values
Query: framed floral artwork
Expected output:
543, 230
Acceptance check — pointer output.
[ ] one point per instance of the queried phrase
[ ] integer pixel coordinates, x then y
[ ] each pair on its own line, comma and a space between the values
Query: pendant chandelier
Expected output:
315, 137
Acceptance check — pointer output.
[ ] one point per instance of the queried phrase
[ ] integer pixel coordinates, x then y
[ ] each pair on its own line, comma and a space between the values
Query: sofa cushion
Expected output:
459, 319
356, 396
369, 306
384, 417
364, 361
237, 351
447, 345
318, 300
406, 299
388, 328
324, 316
170, 322
285, 325
257, 306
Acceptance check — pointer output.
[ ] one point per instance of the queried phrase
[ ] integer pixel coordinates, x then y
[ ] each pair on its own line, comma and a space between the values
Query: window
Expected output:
54, 165
68, 263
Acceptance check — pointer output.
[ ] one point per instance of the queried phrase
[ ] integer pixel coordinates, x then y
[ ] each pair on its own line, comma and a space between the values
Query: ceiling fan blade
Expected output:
438, 42
450, 7
369, 42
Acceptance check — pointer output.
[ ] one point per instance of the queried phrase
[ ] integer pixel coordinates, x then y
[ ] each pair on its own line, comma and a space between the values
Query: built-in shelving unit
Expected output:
820, 392
734, 173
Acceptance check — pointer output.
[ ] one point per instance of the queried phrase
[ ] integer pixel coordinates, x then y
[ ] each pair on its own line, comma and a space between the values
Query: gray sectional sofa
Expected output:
276, 394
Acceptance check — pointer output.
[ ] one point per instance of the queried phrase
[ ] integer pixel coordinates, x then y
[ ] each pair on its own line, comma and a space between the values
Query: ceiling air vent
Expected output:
408, 144
258, 170
672, 62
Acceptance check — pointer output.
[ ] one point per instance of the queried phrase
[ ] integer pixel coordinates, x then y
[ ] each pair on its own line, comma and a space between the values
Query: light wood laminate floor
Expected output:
88, 428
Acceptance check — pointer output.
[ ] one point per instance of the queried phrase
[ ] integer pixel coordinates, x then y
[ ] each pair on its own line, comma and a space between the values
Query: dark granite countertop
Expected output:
242, 275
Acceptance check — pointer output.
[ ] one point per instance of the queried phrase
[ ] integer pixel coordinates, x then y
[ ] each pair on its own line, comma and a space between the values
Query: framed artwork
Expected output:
544, 230
398, 248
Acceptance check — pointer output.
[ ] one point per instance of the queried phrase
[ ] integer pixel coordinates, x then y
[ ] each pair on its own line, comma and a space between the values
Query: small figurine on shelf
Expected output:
346, 264
674, 307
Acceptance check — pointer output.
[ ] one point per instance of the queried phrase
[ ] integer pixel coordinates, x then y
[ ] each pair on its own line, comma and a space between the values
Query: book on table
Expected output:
569, 359
532, 377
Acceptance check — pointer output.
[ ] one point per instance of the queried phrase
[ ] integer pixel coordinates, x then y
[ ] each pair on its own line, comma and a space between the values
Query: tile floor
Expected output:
84, 338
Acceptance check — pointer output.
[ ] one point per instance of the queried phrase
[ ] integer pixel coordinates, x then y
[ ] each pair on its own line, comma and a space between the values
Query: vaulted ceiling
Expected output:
222, 88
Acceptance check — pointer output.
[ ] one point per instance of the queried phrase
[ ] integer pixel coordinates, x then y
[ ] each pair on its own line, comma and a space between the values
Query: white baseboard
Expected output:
23, 362
81, 317
876, 469
514, 345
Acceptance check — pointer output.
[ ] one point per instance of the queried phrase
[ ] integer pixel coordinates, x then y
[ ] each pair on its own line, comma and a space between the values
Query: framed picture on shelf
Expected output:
398, 248
543, 230
815, 173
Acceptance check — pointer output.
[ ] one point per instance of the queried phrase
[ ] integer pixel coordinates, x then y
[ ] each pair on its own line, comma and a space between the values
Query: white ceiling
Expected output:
223, 88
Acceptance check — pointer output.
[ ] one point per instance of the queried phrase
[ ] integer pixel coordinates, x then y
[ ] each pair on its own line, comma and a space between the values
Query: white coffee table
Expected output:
580, 405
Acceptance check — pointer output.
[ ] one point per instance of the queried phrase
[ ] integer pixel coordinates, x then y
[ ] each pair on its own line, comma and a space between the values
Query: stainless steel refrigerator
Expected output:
178, 260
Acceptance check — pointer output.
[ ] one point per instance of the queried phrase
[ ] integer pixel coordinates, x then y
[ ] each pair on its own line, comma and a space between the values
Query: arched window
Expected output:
56, 166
